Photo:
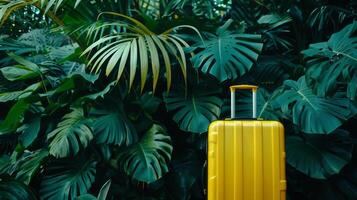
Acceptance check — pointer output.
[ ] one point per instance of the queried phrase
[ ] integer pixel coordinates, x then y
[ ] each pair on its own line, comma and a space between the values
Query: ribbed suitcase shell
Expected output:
246, 160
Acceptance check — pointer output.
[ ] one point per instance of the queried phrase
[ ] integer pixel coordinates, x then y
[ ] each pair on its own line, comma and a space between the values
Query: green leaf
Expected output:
265, 108
18, 72
101, 196
71, 81
119, 51
10, 96
103, 193
5, 163
29, 131
67, 179
147, 161
271, 71
149, 103
24, 62
14, 190
274, 28
333, 62
97, 95
28, 166
111, 126
227, 55
319, 156
273, 19
15, 95
27, 69
195, 111
84, 75
71, 134
311, 113
14, 117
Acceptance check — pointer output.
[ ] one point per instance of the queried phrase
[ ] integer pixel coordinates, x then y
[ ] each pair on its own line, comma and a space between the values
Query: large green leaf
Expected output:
25, 166
319, 156
14, 190
115, 51
147, 161
325, 16
333, 62
265, 108
274, 30
311, 113
14, 117
18, 72
149, 103
95, 96
228, 54
272, 71
67, 179
196, 110
27, 69
4, 164
29, 164
111, 126
72, 81
29, 131
16, 95
71, 134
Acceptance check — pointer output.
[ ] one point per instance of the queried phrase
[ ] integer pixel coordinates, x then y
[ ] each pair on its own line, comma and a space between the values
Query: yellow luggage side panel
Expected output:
246, 160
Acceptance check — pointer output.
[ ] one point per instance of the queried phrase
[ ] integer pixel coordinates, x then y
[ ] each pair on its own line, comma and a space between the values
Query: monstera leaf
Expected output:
271, 71
319, 156
111, 126
311, 113
27, 166
265, 109
13, 190
147, 161
67, 179
29, 131
71, 133
274, 28
228, 54
195, 111
23, 168
333, 62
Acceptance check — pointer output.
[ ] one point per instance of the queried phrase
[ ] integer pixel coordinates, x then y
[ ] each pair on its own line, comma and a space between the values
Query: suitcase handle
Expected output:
233, 89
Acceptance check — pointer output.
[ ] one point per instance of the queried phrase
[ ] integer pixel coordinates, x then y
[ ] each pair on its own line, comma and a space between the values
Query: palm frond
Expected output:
138, 43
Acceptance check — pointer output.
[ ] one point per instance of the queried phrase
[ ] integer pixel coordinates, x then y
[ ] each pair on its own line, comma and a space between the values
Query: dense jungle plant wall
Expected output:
112, 99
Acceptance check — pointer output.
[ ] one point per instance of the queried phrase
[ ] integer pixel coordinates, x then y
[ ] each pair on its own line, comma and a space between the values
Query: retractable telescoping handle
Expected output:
233, 89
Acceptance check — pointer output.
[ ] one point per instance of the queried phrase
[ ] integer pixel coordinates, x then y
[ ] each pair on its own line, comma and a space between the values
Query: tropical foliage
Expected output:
112, 99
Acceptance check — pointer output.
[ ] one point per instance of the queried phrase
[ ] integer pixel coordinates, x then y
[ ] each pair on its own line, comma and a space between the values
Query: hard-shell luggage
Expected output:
246, 158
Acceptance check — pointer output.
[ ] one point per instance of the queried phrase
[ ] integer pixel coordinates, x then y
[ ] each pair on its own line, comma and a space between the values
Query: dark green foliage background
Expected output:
68, 132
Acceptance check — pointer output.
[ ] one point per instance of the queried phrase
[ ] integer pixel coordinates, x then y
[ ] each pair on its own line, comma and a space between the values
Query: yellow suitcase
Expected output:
246, 158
